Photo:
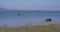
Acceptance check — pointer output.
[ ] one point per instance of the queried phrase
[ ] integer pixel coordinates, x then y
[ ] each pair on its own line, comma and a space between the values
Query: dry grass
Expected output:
37, 28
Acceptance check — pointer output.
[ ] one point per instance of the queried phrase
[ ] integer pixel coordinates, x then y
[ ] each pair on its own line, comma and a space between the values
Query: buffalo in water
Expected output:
49, 20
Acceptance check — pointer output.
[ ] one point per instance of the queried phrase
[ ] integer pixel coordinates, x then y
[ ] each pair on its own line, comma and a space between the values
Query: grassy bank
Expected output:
36, 28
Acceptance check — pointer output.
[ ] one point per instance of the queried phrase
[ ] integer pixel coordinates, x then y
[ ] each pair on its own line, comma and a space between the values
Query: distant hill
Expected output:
3, 9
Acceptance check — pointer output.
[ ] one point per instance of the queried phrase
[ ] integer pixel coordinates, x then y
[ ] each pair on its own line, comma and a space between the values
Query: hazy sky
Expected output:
31, 4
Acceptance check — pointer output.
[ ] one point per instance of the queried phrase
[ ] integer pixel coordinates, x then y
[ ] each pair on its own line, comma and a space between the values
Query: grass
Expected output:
36, 28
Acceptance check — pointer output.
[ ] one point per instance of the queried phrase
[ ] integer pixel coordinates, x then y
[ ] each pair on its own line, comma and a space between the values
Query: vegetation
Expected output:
36, 28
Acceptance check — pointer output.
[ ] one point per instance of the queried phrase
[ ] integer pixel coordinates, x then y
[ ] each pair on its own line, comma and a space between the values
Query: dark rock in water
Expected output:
18, 14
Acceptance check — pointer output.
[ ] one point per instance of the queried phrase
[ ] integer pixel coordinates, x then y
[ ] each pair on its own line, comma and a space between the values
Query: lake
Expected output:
11, 18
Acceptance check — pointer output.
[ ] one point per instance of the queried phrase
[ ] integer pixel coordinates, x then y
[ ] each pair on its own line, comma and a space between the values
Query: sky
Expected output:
50, 5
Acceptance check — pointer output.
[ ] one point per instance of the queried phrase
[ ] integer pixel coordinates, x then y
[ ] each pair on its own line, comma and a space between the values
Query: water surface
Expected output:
27, 17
